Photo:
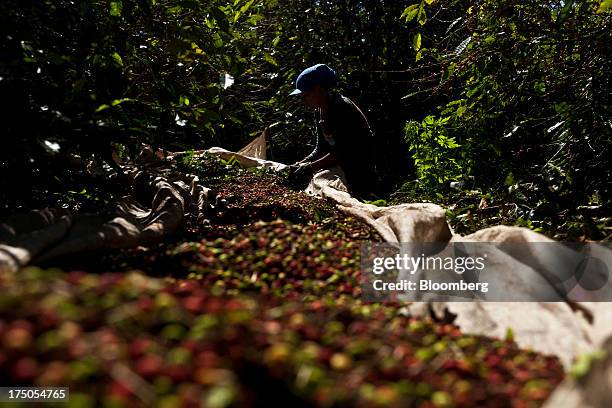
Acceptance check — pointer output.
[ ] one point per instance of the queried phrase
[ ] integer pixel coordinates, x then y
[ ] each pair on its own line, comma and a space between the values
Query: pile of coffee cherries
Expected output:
259, 305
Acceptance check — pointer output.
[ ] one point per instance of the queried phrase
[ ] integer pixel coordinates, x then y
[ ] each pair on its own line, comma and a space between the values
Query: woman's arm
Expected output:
328, 160
321, 147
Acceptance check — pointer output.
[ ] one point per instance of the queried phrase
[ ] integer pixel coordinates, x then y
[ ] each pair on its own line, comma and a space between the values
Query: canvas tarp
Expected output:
560, 328
257, 148
45, 234
564, 329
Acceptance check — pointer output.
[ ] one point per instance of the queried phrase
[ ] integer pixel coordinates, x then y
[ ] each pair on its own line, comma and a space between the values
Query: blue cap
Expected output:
319, 74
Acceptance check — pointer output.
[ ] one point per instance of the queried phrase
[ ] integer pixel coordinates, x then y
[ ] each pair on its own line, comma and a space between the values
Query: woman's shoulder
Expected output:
344, 104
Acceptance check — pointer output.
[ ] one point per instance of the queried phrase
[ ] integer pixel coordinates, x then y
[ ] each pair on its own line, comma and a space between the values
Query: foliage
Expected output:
105, 75
526, 95
241, 309
91, 75
512, 94
433, 151
347, 36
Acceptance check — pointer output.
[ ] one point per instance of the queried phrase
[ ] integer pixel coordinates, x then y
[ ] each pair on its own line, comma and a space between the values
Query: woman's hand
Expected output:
300, 172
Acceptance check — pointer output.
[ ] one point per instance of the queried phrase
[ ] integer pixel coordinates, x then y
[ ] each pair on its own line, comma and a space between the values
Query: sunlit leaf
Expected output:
422, 16
416, 41
174, 10
270, 59
604, 6
183, 101
410, 12
117, 58
116, 7
196, 49
243, 10
116, 102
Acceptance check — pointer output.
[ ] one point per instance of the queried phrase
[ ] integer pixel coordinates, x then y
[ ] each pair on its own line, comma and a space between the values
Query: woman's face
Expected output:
314, 97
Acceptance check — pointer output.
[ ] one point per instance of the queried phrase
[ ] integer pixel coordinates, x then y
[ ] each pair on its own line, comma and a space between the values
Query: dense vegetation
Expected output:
500, 110
525, 112
246, 309
510, 100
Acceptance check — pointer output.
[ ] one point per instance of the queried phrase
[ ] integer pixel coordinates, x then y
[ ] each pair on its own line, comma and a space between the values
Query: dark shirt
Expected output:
345, 132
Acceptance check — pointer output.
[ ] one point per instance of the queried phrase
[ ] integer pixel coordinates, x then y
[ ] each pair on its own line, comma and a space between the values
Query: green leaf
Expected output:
174, 10
509, 334
452, 144
243, 10
116, 102
540, 87
410, 12
565, 11
268, 58
490, 39
416, 41
116, 7
584, 362
604, 6
378, 203
422, 16
449, 71
247, 6
472, 91
117, 58
207, 114
217, 40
